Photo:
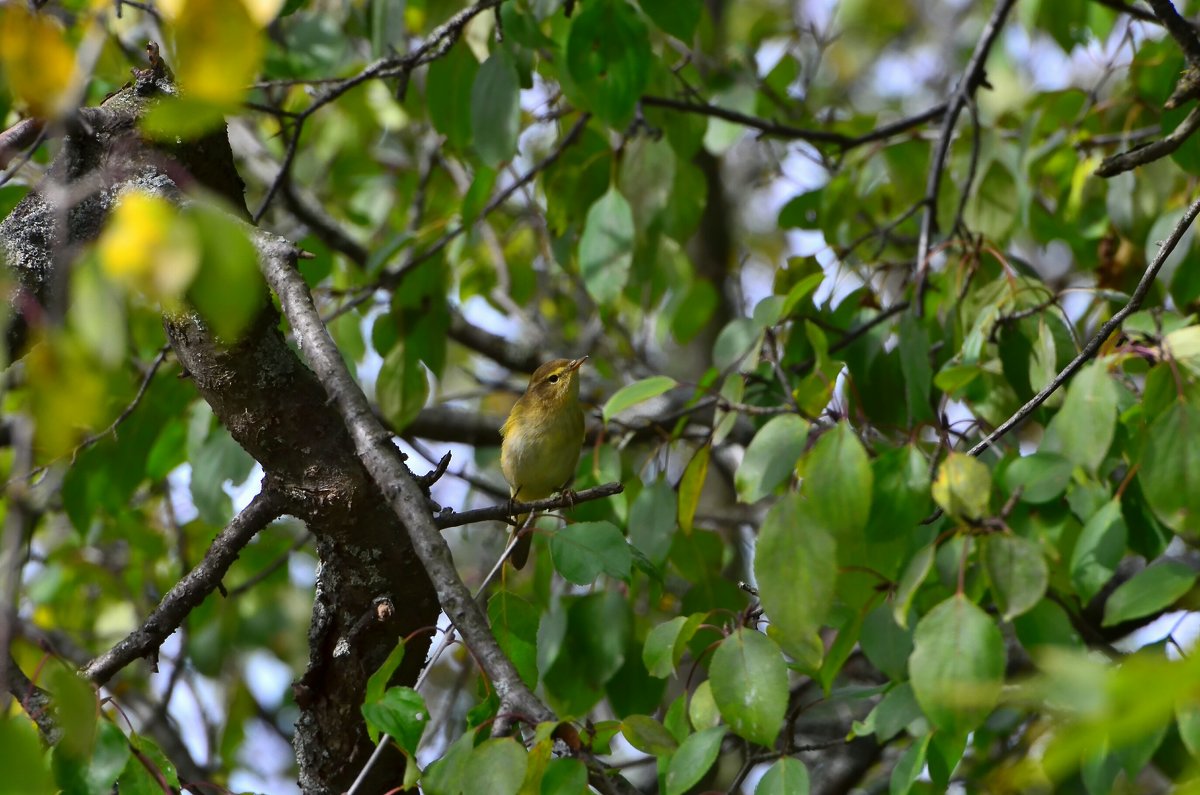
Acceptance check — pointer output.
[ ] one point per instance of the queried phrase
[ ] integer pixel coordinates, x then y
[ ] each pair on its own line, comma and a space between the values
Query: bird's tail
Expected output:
520, 553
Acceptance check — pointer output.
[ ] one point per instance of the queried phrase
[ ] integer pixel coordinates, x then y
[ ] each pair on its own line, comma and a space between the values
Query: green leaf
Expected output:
908, 767
771, 457
693, 759
837, 482
750, 685
900, 493
1042, 477
1017, 571
378, 682
401, 388
1170, 468
637, 392
666, 643
496, 109
993, 205
1098, 550
608, 58
885, 643
963, 487
583, 551
448, 95
702, 709
653, 519
496, 766
565, 776
914, 575
917, 369
648, 735
677, 17
690, 487
1187, 718
795, 565
897, 710
228, 290
788, 776
1047, 624
1153, 589
446, 775
957, 665
515, 624
1083, 429
606, 247
402, 714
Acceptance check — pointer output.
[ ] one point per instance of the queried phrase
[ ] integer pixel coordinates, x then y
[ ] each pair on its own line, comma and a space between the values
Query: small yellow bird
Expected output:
542, 439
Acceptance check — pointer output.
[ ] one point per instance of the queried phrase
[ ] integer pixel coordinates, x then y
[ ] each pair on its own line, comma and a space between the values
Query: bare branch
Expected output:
1093, 345
775, 130
1127, 161
1183, 33
189, 592
34, 700
971, 79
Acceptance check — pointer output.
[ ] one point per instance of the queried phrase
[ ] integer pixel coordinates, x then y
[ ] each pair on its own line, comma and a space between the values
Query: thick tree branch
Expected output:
972, 78
189, 592
508, 510
382, 461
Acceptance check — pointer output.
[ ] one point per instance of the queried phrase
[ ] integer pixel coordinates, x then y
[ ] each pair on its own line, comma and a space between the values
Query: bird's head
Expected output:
556, 382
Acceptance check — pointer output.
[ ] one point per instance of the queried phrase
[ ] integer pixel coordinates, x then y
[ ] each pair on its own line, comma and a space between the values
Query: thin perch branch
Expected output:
189, 592
506, 510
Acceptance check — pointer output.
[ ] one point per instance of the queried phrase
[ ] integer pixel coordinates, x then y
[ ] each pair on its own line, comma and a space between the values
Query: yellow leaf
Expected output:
147, 248
38, 62
219, 47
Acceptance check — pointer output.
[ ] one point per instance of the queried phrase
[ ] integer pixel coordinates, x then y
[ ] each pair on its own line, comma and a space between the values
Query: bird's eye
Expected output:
553, 379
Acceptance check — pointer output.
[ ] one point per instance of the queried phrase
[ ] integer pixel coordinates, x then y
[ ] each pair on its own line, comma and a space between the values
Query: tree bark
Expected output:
271, 404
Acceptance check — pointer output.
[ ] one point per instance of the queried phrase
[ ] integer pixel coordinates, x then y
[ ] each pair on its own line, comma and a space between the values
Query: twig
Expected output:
392, 277
189, 592
1132, 10
1093, 344
972, 77
1183, 33
147, 377
1127, 161
16, 528
270, 569
509, 509
439, 41
775, 130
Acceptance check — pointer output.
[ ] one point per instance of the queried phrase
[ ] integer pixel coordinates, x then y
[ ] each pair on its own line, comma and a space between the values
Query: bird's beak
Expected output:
577, 363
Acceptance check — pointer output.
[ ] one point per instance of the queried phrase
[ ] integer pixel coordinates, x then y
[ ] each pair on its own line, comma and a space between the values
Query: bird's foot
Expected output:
568, 496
